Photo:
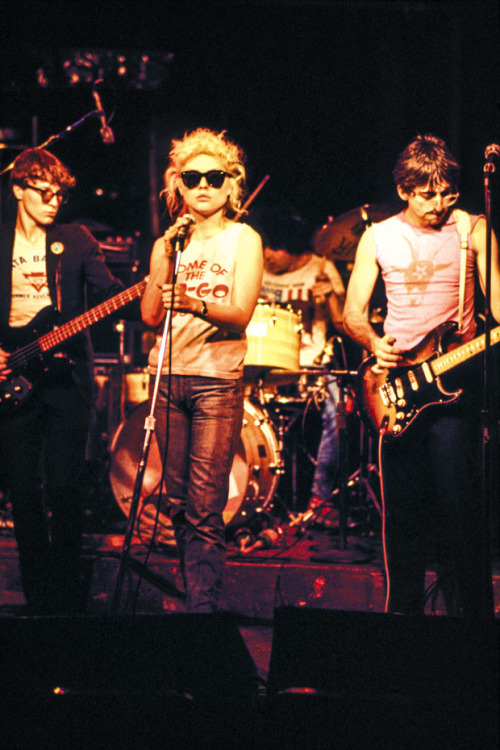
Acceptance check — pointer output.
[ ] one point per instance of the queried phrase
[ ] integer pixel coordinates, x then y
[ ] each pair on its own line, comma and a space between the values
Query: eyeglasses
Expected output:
214, 177
47, 195
448, 198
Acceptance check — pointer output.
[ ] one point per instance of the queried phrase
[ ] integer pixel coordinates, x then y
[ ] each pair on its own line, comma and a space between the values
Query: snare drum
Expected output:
273, 336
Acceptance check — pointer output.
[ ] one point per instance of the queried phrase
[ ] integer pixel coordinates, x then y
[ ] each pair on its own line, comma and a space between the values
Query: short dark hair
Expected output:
39, 164
426, 159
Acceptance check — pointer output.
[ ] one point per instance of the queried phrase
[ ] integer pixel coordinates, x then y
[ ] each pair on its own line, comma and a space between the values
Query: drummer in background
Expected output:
199, 410
294, 276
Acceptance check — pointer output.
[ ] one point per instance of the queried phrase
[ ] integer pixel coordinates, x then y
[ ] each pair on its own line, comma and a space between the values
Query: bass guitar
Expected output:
26, 361
393, 399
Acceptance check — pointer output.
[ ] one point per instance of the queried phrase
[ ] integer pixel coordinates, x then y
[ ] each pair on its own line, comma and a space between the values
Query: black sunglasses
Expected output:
48, 195
214, 177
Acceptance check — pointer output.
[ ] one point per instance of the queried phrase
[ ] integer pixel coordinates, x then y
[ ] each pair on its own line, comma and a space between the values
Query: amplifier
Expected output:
119, 249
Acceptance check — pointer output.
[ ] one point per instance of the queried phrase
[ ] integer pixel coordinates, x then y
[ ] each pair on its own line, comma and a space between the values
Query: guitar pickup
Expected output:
413, 380
387, 394
399, 388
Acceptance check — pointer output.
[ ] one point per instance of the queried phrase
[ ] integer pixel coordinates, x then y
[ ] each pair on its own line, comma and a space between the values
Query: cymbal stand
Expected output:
344, 553
284, 424
279, 466
362, 477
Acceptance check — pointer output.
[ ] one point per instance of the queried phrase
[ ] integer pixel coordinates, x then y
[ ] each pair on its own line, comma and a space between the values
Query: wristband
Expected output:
204, 309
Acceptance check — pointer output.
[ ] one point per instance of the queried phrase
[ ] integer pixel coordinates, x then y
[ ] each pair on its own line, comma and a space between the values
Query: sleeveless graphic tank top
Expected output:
421, 272
199, 348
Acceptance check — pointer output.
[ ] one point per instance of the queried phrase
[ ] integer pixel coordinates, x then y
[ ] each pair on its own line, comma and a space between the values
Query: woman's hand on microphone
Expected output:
180, 225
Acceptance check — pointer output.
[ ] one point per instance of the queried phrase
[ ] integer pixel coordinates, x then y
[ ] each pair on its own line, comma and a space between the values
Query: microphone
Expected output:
492, 152
181, 232
107, 135
267, 539
180, 237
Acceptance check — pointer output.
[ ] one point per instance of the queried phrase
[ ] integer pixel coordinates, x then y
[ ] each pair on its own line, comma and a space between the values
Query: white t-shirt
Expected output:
30, 291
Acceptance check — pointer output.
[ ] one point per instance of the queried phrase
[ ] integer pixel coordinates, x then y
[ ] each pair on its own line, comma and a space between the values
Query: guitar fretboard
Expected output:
58, 335
464, 352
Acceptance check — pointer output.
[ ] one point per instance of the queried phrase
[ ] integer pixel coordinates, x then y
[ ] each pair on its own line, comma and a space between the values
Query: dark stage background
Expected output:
321, 95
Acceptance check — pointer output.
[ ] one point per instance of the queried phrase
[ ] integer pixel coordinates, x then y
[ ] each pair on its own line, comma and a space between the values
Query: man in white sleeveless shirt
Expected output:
430, 468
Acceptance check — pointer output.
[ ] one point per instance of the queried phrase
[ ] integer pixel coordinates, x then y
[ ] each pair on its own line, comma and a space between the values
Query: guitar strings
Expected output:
72, 327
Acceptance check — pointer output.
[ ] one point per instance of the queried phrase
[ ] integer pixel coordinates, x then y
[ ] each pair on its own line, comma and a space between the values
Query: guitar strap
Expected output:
463, 225
58, 285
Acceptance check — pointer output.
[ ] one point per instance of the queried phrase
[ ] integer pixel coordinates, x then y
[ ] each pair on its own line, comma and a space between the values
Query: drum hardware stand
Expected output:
282, 428
361, 477
343, 554
149, 427
279, 467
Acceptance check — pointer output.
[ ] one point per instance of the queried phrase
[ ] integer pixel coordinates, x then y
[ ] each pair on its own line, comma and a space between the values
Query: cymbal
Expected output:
338, 239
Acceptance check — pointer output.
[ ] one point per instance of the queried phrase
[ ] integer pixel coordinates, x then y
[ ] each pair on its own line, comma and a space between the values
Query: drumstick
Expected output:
252, 197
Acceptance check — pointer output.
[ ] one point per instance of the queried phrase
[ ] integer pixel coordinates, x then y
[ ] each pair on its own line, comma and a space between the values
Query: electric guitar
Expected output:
393, 399
26, 362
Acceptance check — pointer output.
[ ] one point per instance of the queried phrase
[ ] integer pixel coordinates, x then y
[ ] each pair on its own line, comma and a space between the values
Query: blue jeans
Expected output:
327, 459
198, 428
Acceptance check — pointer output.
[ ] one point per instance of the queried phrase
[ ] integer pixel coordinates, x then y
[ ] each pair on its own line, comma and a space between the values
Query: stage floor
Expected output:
328, 636
311, 569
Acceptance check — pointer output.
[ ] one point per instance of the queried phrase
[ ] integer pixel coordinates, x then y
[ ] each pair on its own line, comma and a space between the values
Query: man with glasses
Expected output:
45, 271
431, 471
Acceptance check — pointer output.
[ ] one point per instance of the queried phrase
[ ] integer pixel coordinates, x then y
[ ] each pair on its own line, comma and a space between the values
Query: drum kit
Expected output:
278, 395
271, 363
282, 417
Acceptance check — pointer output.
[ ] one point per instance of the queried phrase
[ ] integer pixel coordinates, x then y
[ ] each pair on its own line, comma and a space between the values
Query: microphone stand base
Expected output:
355, 552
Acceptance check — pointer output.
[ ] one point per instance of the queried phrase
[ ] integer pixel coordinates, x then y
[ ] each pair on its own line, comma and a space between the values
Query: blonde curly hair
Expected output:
205, 141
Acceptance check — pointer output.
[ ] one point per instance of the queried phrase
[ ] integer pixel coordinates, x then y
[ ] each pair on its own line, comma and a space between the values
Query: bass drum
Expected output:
252, 483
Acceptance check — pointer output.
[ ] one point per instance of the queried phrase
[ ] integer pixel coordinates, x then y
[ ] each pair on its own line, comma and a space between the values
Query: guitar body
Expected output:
393, 399
20, 383
15, 338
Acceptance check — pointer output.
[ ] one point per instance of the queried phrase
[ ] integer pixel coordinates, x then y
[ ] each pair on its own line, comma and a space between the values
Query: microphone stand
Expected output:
486, 422
58, 136
149, 427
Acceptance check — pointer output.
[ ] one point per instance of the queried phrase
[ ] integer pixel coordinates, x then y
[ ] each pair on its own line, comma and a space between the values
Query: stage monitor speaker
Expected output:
123, 682
385, 680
